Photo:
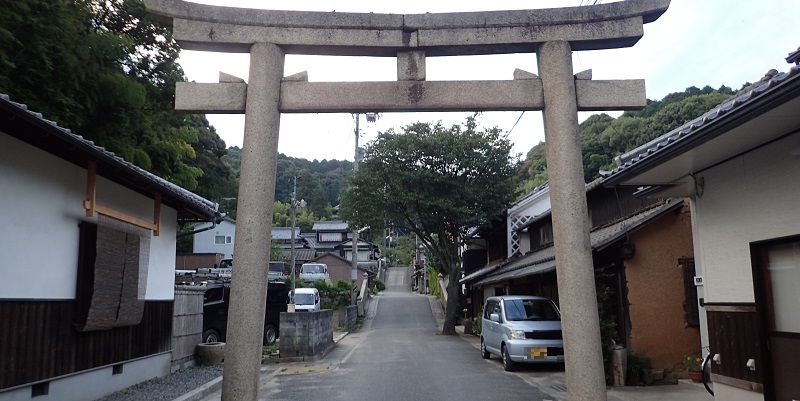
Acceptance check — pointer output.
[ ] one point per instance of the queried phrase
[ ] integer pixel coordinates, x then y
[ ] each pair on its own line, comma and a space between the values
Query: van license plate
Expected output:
537, 353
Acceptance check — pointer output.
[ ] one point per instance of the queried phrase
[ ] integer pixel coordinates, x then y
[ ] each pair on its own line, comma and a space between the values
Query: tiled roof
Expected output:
794, 57
285, 233
694, 130
543, 260
333, 225
74, 148
300, 255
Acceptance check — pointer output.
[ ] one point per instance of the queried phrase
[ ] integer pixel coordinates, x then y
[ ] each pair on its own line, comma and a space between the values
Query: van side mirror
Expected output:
494, 317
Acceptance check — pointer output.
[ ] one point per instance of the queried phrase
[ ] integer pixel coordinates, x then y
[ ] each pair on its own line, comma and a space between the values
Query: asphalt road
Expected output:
398, 355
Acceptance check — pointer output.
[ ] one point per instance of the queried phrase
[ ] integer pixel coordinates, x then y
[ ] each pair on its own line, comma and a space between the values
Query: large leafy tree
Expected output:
437, 182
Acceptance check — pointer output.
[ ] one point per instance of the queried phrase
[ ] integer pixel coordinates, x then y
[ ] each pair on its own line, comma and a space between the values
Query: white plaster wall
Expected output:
41, 204
750, 198
204, 241
97, 383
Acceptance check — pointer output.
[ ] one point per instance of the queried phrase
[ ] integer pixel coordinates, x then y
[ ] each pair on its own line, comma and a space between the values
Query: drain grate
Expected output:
559, 387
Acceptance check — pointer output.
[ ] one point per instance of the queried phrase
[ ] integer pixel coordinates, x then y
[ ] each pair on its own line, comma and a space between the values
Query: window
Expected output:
223, 240
330, 237
690, 293
546, 234
491, 307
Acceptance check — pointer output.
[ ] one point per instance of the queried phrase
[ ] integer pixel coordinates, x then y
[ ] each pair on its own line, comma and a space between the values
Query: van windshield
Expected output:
312, 269
276, 267
531, 309
304, 299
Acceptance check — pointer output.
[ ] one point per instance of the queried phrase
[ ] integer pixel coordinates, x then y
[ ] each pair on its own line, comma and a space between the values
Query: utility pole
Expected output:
354, 269
294, 217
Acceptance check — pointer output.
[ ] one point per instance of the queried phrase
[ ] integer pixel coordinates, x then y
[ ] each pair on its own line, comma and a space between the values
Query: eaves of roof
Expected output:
32, 128
332, 225
543, 260
710, 125
483, 271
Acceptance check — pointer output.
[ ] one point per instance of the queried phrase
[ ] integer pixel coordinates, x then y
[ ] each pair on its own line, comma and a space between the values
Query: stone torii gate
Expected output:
551, 33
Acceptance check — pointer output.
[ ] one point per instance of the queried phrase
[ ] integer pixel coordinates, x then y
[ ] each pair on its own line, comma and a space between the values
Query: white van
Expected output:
306, 299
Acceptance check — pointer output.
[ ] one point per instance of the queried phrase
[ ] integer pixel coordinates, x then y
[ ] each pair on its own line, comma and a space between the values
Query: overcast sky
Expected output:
695, 43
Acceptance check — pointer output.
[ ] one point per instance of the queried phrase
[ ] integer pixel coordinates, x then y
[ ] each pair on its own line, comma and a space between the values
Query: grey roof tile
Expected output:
694, 128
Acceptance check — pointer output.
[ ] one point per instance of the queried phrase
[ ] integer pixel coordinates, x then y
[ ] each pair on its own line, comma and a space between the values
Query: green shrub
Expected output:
379, 284
476, 325
637, 370
335, 295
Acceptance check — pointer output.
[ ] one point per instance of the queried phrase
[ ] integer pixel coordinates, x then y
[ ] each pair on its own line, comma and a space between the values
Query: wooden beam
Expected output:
91, 187
91, 206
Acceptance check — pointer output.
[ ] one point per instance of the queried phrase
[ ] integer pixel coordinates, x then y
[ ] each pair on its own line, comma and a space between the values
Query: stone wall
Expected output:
346, 317
187, 325
306, 334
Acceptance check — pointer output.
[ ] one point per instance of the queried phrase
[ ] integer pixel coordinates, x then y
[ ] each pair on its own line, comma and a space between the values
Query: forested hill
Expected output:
604, 137
320, 182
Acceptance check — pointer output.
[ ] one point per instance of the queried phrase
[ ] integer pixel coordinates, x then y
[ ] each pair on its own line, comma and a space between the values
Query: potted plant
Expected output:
694, 365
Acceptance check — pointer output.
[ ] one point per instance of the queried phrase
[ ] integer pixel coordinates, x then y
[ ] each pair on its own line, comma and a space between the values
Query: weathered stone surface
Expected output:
228, 78
299, 96
220, 98
626, 94
576, 288
585, 74
328, 97
254, 224
411, 66
300, 76
205, 27
524, 75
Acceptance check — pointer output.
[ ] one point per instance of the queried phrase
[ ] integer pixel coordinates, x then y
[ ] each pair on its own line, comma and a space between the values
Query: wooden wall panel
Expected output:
733, 332
38, 340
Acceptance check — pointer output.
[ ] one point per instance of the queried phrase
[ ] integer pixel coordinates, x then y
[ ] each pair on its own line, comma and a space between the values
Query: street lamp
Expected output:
295, 205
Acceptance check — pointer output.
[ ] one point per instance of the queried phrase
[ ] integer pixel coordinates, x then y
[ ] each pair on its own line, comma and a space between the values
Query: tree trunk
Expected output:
451, 311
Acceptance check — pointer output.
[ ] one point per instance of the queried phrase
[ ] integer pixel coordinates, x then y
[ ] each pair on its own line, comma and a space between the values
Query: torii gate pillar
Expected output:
254, 231
573, 249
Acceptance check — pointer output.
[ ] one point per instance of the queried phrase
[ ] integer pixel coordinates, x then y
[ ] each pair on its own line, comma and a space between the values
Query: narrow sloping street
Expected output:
398, 355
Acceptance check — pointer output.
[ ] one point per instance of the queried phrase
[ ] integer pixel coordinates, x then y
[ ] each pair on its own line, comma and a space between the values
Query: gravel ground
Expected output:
169, 387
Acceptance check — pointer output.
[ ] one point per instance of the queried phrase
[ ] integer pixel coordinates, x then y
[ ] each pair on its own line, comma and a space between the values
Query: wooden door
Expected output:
777, 275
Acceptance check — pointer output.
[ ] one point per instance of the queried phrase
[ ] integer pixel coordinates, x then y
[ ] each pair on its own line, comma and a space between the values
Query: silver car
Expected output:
521, 328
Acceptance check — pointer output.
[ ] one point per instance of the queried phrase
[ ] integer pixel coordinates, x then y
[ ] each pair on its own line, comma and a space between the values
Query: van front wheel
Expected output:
270, 334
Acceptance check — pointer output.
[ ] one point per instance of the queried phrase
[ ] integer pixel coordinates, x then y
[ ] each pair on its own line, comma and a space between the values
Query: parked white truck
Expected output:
310, 272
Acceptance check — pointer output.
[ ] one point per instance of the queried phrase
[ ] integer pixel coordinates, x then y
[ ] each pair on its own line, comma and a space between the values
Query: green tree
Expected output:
106, 70
437, 182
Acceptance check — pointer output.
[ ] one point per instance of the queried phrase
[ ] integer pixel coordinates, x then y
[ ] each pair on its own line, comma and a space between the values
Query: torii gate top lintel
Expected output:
230, 29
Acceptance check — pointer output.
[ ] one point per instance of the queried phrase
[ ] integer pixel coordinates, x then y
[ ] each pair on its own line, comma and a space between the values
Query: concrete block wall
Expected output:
306, 333
347, 317
187, 325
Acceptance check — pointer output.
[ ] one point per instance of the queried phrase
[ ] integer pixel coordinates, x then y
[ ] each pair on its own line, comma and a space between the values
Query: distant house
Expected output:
219, 239
340, 268
87, 294
640, 248
329, 234
739, 166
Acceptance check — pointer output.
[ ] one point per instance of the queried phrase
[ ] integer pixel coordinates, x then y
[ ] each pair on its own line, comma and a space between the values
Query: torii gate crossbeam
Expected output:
551, 33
